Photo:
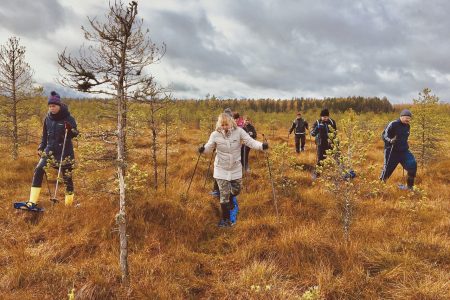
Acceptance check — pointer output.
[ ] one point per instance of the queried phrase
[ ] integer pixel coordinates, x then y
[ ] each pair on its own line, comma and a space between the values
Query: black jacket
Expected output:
250, 129
401, 131
320, 131
300, 126
53, 134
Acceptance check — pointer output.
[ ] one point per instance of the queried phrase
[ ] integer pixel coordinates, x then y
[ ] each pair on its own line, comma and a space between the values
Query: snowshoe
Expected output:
404, 187
30, 206
235, 210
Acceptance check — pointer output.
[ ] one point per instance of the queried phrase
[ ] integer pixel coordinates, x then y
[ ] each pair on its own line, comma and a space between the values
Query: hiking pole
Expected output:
193, 174
55, 200
271, 180
209, 169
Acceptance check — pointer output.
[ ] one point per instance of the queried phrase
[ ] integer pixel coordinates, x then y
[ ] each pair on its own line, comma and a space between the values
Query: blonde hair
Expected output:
225, 118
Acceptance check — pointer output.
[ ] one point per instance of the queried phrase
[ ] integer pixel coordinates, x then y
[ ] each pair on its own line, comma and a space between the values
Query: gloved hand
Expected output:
393, 140
265, 146
201, 149
67, 126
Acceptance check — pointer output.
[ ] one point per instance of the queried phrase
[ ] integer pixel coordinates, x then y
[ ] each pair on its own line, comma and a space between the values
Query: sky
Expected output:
260, 48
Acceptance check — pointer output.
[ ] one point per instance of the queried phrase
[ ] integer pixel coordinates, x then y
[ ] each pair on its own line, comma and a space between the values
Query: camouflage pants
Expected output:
227, 187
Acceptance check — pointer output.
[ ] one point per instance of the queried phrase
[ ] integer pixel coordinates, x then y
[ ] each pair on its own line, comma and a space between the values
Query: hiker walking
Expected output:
245, 150
215, 191
226, 139
321, 130
396, 149
238, 119
299, 126
58, 125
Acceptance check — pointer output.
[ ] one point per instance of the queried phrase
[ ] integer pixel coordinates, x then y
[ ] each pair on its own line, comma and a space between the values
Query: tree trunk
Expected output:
15, 150
15, 134
154, 149
166, 120
121, 169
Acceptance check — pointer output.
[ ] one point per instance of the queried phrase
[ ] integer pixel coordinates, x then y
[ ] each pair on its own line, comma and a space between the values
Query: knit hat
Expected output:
228, 111
406, 112
325, 113
54, 98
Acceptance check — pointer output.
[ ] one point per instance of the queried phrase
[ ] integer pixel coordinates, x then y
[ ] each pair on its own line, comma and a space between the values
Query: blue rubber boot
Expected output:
234, 210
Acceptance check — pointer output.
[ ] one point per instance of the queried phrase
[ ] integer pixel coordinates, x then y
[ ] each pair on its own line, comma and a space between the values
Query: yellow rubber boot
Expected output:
34, 194
68, 199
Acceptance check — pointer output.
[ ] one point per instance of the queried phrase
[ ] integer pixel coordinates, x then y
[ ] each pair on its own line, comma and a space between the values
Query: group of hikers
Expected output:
232, 140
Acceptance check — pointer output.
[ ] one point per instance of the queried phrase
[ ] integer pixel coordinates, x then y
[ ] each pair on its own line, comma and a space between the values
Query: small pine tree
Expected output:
426, 127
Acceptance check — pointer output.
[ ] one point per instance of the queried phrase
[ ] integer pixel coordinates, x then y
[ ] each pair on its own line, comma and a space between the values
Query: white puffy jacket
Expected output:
227, 164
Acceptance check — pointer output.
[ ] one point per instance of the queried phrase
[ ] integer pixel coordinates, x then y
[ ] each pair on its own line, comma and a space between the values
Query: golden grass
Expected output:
399, 246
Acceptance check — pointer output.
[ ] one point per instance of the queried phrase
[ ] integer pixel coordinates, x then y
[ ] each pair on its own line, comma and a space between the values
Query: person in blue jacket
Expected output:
56, 123
396, 149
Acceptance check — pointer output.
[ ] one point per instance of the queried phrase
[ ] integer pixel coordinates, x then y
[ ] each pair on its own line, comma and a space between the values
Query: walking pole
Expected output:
209, 169
54, 199
193, 174
271, 180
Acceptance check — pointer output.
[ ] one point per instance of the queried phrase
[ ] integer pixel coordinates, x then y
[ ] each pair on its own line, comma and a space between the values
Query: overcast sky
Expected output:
262, 48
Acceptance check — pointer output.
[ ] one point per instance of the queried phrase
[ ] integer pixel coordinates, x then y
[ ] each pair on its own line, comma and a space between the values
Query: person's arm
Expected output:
254, 132
292, 127
315, 129
73, 131
43, 143
249, 142
211, 144
389, 133
306, 125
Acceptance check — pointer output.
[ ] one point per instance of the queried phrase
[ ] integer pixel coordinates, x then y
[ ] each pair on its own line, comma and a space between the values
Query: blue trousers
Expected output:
39, 174
393, 158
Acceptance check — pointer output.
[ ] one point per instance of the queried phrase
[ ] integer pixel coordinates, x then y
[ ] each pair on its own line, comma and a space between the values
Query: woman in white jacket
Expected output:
226, 139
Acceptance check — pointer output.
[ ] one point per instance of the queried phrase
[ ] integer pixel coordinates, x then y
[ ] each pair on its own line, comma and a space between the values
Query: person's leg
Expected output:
36, 184
68, 182
409, 163
234, 207
243, 156
225, 191
297, 143
247, 151
390, 163
303, 140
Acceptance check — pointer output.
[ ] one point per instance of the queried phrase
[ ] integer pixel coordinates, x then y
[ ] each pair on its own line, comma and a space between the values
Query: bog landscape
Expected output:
141, 222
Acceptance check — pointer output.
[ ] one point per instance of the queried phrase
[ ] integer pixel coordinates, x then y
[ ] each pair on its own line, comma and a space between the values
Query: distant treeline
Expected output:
358, 104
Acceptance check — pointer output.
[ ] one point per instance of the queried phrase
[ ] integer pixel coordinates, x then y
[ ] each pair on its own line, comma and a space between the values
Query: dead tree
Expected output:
158, 100
114, 64
16, 85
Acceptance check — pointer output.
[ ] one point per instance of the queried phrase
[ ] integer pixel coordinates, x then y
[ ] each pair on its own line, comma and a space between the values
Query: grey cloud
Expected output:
35, 19
190, 44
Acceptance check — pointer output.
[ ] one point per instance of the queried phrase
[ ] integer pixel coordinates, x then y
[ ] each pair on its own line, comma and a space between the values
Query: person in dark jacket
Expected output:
245, 150
57, 122
396, 149
321, 131
300, 126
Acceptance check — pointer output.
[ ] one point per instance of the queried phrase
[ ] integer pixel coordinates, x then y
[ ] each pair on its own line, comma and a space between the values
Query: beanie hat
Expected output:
325, 113
406, 112
54, 98
228, 111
